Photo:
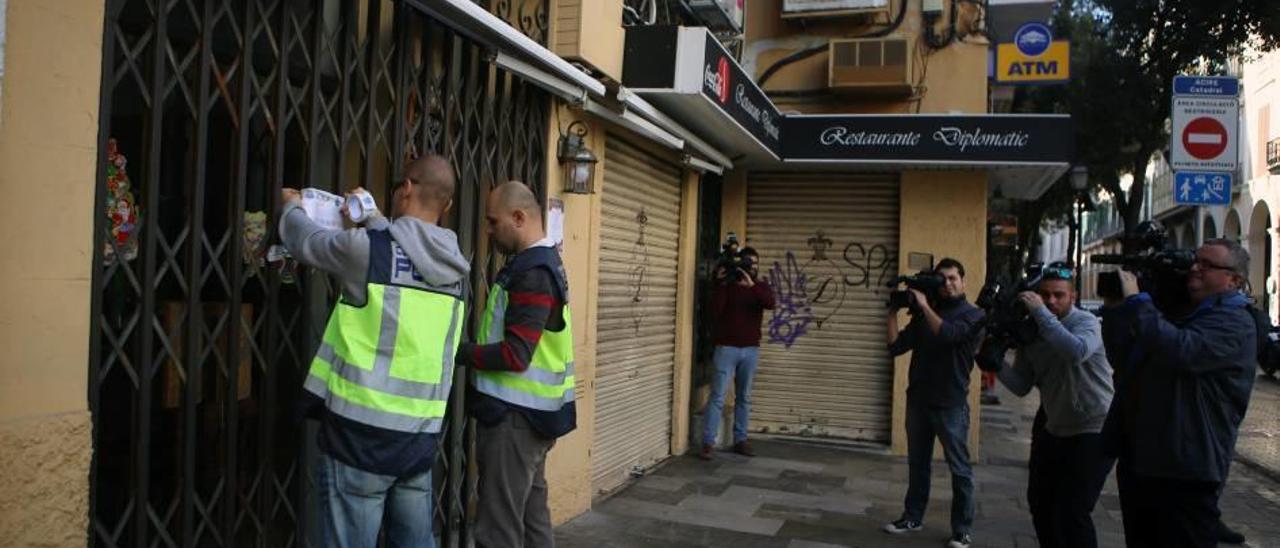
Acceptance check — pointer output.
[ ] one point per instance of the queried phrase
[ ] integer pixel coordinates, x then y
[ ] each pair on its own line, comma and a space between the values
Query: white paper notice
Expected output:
323, 207
555, 222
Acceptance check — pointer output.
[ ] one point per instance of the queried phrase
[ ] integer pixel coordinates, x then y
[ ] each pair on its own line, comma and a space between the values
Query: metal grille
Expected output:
200, 344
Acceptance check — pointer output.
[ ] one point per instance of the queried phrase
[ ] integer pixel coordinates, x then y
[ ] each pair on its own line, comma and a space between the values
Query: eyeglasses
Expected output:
1204, 264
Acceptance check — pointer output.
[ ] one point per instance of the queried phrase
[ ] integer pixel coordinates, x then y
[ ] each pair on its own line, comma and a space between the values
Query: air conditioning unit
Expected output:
831, 8
578, 33
723, 16
870, 66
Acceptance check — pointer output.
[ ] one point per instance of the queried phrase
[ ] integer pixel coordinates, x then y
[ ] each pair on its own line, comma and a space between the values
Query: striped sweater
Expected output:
535, 303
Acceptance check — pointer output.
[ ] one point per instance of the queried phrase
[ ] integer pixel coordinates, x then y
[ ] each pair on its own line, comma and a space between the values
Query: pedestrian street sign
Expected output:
1201, 188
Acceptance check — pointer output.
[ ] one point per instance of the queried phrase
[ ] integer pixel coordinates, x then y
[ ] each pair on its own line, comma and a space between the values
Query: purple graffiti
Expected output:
793, 314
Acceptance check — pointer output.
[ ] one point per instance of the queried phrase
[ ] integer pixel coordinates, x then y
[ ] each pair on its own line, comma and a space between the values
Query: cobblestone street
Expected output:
1259, 443
800, 495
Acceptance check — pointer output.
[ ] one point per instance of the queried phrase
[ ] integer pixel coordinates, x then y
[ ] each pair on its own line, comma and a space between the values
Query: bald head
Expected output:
434, 177
516, 196
514, 217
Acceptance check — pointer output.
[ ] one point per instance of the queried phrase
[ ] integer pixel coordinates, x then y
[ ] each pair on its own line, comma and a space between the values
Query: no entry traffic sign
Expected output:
1204, 136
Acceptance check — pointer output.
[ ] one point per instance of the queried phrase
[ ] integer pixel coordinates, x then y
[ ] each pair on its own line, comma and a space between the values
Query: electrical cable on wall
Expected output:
981, 23
920, 89
930, 36
810, 52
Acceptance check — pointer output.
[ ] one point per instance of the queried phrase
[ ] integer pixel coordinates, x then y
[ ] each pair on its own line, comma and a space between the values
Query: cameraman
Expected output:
943, 339
737, 308
1182, 391
1066, 361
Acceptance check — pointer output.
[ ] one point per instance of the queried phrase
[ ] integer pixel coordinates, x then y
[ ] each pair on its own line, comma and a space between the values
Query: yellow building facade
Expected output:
153, 363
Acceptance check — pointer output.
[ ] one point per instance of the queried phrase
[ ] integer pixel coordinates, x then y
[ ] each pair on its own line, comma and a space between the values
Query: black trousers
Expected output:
1067, 474
1167, 513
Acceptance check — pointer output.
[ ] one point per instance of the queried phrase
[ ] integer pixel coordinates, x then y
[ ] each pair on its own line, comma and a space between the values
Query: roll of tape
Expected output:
360, 206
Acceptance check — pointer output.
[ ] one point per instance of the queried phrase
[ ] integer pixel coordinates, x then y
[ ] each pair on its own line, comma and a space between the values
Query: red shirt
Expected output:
736, 313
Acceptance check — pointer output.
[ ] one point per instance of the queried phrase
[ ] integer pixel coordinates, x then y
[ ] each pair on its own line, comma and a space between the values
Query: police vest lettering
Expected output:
547, 384
389, 363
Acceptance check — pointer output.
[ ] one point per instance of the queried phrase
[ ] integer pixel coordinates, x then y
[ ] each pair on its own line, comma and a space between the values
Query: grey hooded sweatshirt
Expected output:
435, 255
1069, 365
433, 251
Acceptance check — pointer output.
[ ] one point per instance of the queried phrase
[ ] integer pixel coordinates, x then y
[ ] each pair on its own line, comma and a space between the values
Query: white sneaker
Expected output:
901, 526
959, 541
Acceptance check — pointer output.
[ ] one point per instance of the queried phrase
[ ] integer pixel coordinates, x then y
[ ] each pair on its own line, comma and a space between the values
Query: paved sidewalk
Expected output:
1259, 443
801, 495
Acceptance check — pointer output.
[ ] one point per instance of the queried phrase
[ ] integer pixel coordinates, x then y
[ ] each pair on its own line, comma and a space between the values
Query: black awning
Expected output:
1024, 153
687, 74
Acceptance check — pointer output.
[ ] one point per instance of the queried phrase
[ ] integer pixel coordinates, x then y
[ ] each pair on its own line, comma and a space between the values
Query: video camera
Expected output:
731, 260
1007, 321
925, 281
1161, 272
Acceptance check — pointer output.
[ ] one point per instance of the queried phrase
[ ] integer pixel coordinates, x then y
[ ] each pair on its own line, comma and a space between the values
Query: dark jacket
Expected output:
940, 364
738, 311
1181, 388
537, 294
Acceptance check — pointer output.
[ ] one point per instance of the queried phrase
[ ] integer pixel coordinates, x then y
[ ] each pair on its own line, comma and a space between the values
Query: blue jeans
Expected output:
950, 425
739, 363
355, 505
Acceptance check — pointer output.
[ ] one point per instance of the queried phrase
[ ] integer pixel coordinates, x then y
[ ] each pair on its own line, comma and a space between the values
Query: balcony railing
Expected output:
1162, 194
1273, 155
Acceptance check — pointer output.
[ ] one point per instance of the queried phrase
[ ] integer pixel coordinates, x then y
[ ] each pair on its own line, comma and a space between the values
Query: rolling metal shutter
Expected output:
637, 313
828, 243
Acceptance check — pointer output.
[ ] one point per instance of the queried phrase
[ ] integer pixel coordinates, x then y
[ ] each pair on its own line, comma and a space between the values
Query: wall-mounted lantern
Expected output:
576, 160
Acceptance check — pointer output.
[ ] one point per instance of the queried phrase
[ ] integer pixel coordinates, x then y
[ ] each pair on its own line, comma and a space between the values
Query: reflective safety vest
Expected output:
547, 384
389, 363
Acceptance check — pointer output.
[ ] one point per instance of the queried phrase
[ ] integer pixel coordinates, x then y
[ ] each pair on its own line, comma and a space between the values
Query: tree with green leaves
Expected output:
1125, 54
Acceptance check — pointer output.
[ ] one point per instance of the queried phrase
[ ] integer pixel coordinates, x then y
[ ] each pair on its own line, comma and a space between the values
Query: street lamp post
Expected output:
1079, 182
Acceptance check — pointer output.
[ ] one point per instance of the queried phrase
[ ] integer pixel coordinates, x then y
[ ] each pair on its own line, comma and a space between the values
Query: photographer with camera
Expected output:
1065, 360
943, 337
1182, 387
737, 308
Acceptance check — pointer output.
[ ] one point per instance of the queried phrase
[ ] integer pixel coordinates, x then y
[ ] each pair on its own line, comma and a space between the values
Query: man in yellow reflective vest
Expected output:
380, 381
523, 393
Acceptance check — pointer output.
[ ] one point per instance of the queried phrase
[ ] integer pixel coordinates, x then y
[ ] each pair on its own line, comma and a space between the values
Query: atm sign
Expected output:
1015, 67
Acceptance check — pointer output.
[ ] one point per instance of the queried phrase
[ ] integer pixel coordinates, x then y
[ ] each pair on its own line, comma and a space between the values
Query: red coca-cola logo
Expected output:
723, 70
715, 79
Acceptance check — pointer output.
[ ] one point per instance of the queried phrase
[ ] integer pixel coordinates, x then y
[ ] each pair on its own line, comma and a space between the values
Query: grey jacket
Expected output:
433, 251
1069, 366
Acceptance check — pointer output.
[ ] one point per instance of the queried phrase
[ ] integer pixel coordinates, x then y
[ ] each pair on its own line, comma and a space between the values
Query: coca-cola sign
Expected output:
724, 82
977, 139
716, 78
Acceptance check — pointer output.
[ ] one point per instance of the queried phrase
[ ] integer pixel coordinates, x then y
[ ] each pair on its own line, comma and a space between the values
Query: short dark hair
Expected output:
748, 251
948, 262
1239, 255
